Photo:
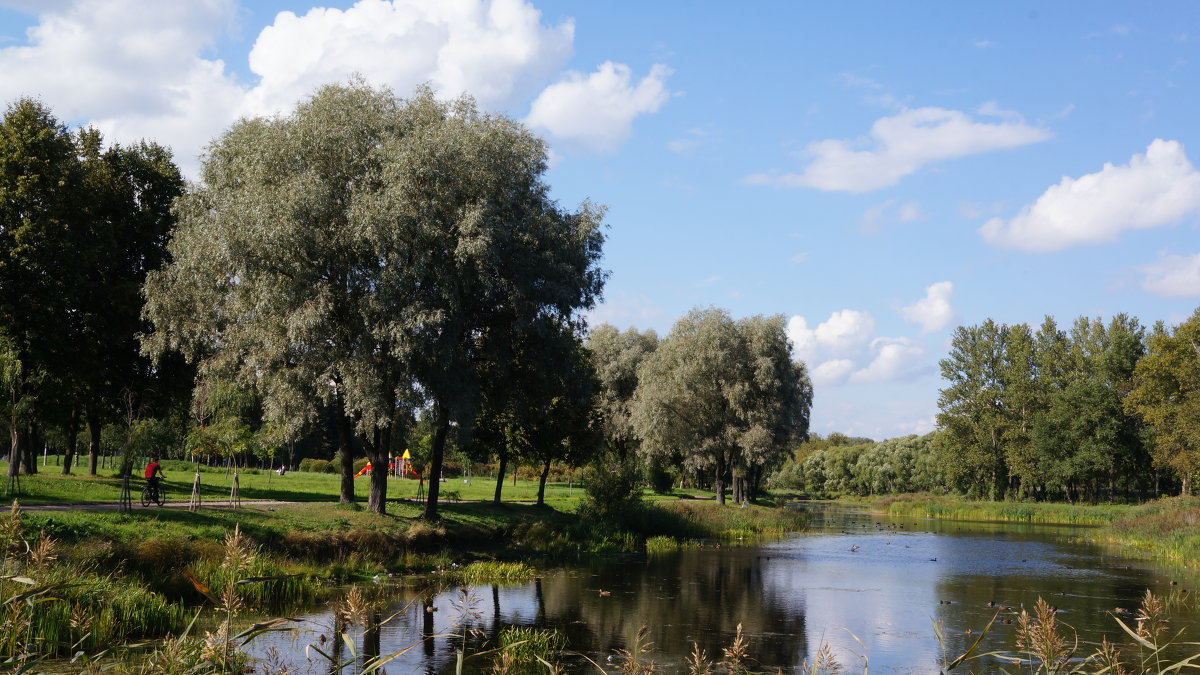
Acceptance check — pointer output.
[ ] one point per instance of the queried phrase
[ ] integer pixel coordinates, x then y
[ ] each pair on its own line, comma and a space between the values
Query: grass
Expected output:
51, 487
1166, 528
956, 508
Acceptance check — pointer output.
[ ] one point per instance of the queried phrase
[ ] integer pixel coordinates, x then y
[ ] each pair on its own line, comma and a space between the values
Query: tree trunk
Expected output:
541, 499
377, 498
502, 455
346, 450
719, 482
72, 440
442, 428
93, 421
29, 456
14, 451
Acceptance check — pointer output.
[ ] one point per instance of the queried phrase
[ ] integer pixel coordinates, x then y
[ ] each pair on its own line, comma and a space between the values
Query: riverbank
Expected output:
134, 576
1167, 528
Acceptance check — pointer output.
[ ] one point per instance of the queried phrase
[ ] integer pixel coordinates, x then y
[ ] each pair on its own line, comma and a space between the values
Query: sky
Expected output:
876, 172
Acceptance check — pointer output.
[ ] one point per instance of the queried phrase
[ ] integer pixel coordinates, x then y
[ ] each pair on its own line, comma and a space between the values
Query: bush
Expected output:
614, 492
315, 465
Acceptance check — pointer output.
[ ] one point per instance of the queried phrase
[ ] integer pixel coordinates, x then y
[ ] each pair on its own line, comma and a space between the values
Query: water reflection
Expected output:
867, 586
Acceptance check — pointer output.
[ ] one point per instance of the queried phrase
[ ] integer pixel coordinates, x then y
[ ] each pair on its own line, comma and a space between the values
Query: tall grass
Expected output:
490, 571
1166, 528
54, 607
953, 508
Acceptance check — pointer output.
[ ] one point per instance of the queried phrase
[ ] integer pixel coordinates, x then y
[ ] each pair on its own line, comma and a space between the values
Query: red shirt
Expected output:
151, 469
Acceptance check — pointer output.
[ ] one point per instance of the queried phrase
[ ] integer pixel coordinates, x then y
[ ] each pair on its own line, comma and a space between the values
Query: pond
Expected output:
867, 586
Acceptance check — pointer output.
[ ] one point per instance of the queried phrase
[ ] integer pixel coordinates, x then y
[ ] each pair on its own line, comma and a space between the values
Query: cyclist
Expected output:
153, 471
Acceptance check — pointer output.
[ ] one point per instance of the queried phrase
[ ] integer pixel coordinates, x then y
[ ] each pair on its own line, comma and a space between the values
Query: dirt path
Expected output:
214, 504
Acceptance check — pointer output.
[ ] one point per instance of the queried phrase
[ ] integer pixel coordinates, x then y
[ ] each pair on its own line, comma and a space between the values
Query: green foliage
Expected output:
723, 397
1166, 394
613, 488
527, 647
1042, 414
317, 465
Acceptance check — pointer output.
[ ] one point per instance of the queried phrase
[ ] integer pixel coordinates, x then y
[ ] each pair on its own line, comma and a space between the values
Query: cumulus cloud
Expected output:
1173, 276
132, 68
1157, 188
143, 70
842, 333
596, 111
933, 312
496, 51
893, 357
832, 371
898, 146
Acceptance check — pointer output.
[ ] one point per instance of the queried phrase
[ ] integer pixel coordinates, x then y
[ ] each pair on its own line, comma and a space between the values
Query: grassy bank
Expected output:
956, 508
153, 565
1166, 528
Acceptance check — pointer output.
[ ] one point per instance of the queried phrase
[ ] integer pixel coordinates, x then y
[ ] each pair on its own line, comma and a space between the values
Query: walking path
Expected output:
213, 504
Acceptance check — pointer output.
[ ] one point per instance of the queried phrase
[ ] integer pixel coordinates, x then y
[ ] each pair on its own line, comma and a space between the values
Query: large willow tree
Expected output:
369, 253
723, 396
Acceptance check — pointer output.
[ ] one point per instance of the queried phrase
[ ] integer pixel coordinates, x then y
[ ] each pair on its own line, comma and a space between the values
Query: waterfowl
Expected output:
604, 593
854, 548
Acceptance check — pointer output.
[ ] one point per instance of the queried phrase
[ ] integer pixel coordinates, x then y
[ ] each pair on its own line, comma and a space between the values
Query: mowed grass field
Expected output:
49, 486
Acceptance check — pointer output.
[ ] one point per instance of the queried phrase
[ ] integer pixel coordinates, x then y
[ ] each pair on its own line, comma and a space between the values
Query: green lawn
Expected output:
50, 487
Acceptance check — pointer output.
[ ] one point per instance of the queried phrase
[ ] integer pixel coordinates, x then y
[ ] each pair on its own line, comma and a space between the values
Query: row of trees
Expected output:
842, 465
1102, 409
80, 226
383, 272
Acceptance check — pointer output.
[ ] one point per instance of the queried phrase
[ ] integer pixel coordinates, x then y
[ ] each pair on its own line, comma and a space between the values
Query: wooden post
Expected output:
194, 504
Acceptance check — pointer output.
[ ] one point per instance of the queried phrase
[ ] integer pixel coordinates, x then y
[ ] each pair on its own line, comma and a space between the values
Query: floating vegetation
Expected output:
488, 570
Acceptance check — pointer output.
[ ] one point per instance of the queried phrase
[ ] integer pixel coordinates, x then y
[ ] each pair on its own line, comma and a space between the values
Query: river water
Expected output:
869, 587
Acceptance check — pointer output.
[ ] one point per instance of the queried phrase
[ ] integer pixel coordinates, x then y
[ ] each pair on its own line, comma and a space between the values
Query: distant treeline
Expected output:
1104, 410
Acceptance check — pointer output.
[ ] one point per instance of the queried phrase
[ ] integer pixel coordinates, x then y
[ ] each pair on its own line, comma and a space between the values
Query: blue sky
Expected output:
878, 172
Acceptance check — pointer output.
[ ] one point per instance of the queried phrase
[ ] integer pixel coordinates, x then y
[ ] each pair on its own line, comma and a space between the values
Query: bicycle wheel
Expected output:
146, 496
160, 495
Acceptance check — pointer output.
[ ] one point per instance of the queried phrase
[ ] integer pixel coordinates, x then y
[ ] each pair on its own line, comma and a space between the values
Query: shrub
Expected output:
614, 492
314, 465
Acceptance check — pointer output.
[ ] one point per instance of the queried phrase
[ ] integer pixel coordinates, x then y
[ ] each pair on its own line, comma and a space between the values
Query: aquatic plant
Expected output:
489, 570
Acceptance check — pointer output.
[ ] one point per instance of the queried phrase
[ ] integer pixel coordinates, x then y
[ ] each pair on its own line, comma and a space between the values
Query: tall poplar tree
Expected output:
1166, 394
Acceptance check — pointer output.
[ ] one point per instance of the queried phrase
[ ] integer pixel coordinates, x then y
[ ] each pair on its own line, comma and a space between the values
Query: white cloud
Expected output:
843, 332
132, 68
496, 51
1158, 188
933, 311
804, 341
898, 146
1173, 276
893, 358
832, 372
597, 111
143, 69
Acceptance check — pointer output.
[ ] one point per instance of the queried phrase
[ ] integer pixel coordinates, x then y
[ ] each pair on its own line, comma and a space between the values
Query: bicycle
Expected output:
152, 495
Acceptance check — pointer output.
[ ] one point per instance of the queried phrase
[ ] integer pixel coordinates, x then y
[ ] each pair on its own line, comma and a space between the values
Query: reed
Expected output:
490, 571
953, 508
